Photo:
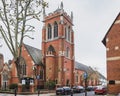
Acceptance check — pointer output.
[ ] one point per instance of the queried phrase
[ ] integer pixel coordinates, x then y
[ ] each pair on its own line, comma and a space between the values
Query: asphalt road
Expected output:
91, 93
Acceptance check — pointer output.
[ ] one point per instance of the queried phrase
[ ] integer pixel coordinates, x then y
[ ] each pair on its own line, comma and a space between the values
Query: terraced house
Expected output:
112, 44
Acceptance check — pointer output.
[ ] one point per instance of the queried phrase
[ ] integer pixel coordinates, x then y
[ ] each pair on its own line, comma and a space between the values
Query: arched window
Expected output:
55, 29
51, 50
69, 33
41, 74
5, 80
22, 67
67, 52
65, 33
49, 31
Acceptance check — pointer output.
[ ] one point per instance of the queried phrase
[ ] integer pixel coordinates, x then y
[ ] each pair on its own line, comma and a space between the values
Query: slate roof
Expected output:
35, 53
87, 69
82, 67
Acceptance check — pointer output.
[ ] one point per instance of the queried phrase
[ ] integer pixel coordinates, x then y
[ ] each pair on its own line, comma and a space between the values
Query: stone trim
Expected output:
117, 22
117, 81
113, 58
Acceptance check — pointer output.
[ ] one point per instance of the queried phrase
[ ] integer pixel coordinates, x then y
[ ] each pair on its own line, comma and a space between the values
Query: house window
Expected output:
55, 29
49, 31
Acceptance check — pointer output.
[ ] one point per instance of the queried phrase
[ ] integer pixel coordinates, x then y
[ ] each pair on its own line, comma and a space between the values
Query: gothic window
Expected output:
68, 52
55, 29
49, 31
56, 81
22, 67
5, 80
51, 50
41, 74
69, 33
67, 82
76, 78
5, 76
65, 33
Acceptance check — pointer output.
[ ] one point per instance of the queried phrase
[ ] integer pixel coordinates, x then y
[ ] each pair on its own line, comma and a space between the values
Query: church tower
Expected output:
58, 47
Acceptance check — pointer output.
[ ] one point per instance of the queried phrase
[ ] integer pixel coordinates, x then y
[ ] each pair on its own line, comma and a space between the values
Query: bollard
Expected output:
38, 92
71, 92
15, 92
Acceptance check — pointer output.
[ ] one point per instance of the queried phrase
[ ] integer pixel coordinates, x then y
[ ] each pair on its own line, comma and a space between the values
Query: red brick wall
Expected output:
113, 57
50, 68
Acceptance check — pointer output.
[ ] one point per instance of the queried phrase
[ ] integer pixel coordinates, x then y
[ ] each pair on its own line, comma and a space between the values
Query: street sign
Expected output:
23, 82
85, 75
38, 77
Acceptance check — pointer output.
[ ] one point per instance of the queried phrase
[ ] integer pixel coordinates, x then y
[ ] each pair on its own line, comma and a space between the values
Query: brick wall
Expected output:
113, 57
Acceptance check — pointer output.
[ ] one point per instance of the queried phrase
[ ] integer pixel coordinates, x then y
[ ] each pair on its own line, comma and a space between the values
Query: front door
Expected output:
26, 85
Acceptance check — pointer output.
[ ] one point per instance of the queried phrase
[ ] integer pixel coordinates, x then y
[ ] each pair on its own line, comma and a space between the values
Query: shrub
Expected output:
50, 84
13, 86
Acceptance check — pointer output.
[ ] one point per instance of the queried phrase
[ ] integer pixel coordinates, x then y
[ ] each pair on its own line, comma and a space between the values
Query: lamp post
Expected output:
38, 85
85, 78
37, 76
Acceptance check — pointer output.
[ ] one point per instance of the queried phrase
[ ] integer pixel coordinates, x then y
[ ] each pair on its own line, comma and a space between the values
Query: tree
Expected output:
15, 16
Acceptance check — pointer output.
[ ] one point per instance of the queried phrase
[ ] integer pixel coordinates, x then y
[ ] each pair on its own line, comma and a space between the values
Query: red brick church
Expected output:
56, 61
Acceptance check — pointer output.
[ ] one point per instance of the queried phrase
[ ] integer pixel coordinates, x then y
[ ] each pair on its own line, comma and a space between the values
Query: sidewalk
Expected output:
49, 94
42, 93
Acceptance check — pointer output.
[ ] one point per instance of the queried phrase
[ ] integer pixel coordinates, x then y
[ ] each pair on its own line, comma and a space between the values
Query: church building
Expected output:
55, 62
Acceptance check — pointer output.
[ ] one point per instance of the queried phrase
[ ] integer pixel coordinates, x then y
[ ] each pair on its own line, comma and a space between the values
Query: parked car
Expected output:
94, 87
90, 88
63, 90
67, 90
101, 90
78, 89
59, 91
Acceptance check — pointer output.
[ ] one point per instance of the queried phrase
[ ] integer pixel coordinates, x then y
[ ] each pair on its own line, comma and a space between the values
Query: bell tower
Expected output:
58, 47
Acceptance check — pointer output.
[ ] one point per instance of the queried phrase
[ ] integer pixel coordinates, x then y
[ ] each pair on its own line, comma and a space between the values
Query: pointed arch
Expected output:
55, 29
51, 49
22, 67
68, 52
65, 33
41, 74
69, 33
49, 33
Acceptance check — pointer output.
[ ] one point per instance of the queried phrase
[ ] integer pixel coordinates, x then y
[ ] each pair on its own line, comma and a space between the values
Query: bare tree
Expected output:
15, 17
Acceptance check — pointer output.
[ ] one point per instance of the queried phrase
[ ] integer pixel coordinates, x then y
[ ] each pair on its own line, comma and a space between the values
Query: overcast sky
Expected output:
92, 19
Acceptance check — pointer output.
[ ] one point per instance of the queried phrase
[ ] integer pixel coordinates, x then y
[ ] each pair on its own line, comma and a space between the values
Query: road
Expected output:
91, 93
53, 94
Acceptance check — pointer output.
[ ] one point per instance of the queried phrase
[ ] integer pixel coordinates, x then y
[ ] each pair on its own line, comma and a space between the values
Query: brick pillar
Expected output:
32, 88
19, 87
